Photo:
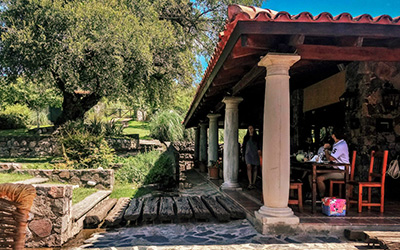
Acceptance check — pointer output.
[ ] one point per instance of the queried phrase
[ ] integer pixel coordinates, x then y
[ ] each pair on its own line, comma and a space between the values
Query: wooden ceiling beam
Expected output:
295, 40
350, 41
231, 63
334, 53
247, 79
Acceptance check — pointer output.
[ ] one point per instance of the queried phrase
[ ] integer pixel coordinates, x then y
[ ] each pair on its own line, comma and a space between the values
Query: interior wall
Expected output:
325, 92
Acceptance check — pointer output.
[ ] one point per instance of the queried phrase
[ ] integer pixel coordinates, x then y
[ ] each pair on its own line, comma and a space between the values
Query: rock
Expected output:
41, 228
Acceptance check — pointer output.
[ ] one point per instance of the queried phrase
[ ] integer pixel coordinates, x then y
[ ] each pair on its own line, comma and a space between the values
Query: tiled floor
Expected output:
251, 201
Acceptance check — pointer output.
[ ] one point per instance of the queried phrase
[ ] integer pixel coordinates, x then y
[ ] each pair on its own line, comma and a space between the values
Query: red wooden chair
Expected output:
341, 182
372, 183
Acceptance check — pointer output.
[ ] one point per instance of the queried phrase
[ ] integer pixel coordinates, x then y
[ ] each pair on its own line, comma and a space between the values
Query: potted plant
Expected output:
213, 170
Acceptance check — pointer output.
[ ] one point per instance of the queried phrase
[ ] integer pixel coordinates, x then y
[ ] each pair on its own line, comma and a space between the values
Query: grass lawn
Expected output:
128, 190
80, 193
11, 177
141, 128
14, 132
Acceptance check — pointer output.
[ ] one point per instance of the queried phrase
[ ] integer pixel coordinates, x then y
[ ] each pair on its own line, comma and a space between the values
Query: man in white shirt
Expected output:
340, 154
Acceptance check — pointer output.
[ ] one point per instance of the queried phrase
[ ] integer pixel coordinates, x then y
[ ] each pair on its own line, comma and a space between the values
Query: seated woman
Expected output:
340, 154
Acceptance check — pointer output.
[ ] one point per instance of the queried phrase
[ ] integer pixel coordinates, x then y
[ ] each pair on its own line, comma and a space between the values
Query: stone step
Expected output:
84, 206
36, 180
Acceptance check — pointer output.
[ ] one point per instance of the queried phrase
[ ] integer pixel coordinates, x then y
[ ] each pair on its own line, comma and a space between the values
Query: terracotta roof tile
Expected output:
249, 13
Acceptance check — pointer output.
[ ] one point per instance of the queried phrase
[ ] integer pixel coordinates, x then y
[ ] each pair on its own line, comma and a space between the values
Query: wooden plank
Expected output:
382, 233
335, 53
200, 210
114, 218
167, 212
183, 210
234, 210
150, 208
216, 209
98, 213
134, 210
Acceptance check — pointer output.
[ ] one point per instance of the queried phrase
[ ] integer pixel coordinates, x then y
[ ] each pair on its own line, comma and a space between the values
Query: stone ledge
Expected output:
84, 206
36, 180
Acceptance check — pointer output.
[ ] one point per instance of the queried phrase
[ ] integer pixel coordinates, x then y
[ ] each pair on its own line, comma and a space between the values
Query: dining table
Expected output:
317, 168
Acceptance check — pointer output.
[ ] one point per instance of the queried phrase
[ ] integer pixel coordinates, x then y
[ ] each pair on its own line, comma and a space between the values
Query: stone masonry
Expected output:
97, 178
49, 222
40, 146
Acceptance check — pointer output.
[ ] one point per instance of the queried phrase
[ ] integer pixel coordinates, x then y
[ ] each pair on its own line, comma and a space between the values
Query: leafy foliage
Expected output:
163, 171
83, 149
89, 49
14, 117
167, 126
36, 95
135, 169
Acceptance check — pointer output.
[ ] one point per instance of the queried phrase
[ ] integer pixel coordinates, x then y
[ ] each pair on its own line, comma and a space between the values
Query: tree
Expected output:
89, 49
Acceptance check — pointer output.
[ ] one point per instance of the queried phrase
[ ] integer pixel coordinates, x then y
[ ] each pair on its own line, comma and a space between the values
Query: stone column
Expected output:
231, 147
196, 145
276, 142
203, 143
213, 138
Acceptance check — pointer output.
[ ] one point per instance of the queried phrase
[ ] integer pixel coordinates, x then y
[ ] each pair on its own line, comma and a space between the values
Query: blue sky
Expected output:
335, 7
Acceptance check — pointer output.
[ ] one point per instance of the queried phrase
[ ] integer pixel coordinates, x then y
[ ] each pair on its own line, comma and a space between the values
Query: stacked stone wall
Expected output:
97, 178
42, 146
370, 80
28, 146
50, 220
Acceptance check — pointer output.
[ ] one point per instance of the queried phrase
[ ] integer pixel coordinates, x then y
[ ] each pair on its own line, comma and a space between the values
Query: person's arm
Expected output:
328, 156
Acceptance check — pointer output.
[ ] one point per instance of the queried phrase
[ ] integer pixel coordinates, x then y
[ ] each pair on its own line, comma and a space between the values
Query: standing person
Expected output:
252, 153
340, 154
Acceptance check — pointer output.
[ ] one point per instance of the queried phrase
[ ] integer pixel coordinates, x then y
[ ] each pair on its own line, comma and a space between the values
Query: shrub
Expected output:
83, 149
166, 126
14, 117
136, 168
163, 171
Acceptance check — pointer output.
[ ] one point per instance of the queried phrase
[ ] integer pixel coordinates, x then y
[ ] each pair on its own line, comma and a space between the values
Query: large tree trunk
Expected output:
76, 105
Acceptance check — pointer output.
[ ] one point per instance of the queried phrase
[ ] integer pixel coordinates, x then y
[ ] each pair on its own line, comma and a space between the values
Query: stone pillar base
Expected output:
230, 186
269, 223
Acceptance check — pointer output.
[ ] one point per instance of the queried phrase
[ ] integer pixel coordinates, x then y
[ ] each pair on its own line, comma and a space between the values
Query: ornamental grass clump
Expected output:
167, 126
135, 169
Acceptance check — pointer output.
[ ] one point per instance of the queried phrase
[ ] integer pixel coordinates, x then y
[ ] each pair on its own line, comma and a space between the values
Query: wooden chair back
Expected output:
353, 165
382, 175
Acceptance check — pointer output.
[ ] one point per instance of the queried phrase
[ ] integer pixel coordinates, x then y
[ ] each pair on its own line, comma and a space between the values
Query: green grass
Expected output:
14, 132
28, 160
81, 193
141, 128
128, 190
11, 177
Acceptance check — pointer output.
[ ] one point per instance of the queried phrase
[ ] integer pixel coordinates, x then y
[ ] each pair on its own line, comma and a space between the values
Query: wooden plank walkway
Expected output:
386, 239
178, 209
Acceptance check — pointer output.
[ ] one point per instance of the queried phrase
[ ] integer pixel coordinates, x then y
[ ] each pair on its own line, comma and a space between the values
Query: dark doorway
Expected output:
320, 122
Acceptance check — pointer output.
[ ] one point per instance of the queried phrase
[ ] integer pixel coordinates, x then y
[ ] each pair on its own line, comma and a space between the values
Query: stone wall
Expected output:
40, 146
369, 81
50, 220
27, 146
97, 178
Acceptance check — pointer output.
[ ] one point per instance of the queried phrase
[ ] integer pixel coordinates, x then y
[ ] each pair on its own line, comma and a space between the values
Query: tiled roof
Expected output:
249, 13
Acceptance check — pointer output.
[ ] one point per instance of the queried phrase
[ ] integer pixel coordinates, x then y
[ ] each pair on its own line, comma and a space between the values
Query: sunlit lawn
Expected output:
141, 128
12, 177
128, 190
81, 193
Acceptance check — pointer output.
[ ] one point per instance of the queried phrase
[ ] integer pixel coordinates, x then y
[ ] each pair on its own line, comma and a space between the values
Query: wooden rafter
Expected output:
334, 53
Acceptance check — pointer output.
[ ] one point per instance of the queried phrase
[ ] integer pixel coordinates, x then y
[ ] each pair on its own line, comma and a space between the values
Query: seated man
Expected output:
340, 154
